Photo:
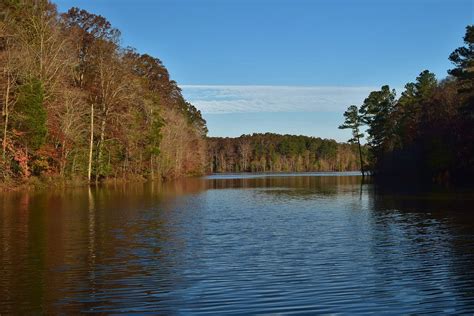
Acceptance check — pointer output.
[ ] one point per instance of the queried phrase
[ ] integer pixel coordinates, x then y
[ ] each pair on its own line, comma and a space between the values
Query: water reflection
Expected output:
276, 244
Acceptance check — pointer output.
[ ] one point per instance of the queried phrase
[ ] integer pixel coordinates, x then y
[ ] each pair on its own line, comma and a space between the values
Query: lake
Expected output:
238, 244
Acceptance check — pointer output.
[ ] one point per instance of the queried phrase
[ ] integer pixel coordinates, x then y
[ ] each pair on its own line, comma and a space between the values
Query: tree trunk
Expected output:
152, 168
62, 165
360, 157
73, 166
6, 114
100, 149
91, 144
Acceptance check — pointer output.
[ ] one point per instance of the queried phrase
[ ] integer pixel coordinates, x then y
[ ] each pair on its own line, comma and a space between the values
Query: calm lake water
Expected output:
244, 244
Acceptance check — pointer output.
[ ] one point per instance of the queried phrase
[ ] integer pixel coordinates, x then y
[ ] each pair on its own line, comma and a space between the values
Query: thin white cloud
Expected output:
215, 99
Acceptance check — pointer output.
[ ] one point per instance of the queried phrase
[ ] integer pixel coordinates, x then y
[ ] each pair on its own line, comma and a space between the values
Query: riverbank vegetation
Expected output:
276, 153
428, 132
77, 105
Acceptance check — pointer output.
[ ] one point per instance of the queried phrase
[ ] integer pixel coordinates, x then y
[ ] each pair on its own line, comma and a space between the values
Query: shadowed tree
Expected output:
463, 59
410, 107
354, 121
376, 111
31, 116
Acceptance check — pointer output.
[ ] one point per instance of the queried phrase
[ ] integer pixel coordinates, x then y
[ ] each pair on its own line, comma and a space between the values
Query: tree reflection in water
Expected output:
276, 243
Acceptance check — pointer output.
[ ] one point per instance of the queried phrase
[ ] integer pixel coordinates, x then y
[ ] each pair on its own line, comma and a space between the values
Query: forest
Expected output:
427, 133
78, 105
281, 153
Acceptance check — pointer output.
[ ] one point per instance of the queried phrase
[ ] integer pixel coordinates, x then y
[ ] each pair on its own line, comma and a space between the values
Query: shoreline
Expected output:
42, 183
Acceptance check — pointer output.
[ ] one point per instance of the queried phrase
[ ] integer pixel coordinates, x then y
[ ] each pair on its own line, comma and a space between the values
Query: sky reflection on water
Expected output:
224, 245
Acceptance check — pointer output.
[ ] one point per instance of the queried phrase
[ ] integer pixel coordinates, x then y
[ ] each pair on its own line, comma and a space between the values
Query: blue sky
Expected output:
287, 66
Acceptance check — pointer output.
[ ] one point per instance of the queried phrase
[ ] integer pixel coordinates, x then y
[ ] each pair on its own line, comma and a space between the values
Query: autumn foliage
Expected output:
75, 104
280, 153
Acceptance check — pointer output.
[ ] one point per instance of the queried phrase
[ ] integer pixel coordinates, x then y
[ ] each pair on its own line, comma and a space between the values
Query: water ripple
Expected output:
279, 245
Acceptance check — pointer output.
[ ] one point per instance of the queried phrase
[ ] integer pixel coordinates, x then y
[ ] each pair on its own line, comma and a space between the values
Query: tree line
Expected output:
428, 132
76, 104
276, 153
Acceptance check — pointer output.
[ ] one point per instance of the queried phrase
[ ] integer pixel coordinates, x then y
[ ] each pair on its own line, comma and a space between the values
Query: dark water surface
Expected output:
237, 244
